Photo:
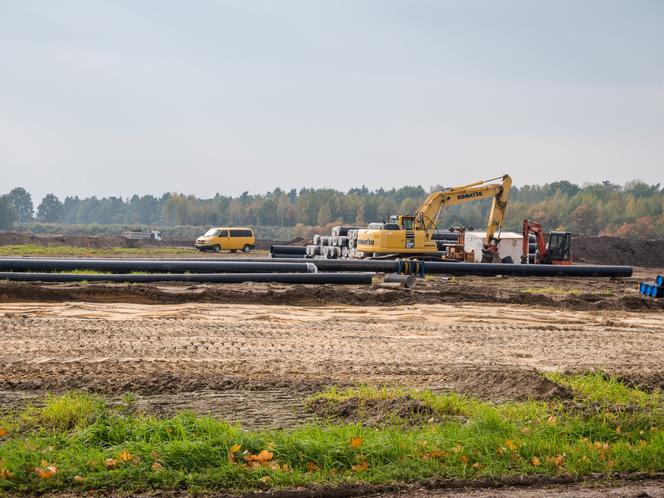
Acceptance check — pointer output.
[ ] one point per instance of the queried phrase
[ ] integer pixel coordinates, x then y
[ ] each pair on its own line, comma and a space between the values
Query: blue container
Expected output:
656, 291
642, 287
660, 280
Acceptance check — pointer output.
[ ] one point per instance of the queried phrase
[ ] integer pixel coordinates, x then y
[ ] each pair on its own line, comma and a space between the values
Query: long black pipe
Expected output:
287, 256
480, 269
286, 278
328, 265
492, 269
288, 249
154, 266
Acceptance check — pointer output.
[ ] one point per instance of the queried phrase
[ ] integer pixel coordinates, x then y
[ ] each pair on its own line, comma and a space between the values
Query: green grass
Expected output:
556, 291
35, 250
75, 251
608, 427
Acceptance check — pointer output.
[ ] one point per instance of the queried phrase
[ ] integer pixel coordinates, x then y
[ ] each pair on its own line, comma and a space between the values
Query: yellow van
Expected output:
232, 239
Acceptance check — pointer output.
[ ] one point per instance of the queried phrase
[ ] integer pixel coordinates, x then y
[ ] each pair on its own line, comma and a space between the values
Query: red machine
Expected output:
558, 251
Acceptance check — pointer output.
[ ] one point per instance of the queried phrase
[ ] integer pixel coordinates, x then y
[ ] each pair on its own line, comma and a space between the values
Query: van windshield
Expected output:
212, 232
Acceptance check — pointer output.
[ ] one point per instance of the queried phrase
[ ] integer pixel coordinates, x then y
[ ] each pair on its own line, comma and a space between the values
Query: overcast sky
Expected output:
121, 97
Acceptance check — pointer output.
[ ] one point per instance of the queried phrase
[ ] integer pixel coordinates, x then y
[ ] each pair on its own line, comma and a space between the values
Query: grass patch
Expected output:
79, 442
557, 291
75, 251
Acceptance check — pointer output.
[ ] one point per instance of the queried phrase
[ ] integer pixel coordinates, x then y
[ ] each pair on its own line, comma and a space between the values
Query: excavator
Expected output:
557, 251
412, 235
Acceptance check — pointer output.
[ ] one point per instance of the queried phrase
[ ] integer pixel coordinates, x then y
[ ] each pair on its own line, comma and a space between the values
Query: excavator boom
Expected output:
412, 234
427, 214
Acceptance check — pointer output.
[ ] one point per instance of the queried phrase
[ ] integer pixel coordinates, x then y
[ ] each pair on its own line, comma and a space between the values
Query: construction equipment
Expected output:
141, 235
557, 251
456, 251
412, 235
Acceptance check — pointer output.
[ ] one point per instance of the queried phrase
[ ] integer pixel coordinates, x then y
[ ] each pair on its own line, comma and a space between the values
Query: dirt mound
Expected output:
615, 251
375, 412
561, 293
508, 384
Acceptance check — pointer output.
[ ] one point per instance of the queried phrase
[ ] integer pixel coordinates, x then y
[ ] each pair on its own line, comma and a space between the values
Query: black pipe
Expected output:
445, 236
492, 269
288, 249
154, 266
288, 256
327, 265
407, 281
383, 266
286, 278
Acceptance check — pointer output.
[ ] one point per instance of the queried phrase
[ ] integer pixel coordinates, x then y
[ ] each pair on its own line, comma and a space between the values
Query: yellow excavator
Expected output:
412, 235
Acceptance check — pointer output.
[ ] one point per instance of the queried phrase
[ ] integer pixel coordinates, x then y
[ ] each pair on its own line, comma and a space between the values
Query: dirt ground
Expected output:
253, 353
622, 489
256, 364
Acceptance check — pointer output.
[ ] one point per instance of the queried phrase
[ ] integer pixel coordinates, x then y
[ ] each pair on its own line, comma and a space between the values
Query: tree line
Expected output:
635, 209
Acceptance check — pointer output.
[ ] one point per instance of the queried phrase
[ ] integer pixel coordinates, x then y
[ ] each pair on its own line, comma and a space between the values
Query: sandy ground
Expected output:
256, 364
619, 489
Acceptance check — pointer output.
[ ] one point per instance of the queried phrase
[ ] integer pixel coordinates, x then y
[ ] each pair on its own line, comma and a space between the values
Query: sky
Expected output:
137, 96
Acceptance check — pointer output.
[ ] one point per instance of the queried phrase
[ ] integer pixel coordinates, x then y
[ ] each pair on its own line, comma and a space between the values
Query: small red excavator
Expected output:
558, 251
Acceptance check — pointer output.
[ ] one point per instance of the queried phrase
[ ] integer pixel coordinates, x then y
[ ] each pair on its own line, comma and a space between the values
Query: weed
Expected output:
77, 442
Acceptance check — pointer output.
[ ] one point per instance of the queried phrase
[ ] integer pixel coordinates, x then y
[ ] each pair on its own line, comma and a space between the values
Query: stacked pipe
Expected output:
288, 252
655, 289
342, 243
339, 244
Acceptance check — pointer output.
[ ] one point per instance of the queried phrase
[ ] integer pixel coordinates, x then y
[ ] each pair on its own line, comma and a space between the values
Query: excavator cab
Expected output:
559, 249
405, 222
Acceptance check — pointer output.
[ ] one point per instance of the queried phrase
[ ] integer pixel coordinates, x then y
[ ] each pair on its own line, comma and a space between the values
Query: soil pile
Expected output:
615, 251
375, 412
560, 293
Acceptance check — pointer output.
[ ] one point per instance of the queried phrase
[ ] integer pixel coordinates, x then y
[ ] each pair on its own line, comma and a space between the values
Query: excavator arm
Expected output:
427, 214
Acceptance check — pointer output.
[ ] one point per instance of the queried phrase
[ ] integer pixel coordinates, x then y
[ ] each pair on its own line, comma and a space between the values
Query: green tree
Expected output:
7, 213
324, 214
21, 200
50, 210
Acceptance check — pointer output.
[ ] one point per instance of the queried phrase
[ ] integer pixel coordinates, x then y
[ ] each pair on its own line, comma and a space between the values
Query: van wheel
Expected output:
216, 248
246, 248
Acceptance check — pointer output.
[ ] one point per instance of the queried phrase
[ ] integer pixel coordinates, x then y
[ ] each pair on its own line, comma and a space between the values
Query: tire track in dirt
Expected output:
280, 353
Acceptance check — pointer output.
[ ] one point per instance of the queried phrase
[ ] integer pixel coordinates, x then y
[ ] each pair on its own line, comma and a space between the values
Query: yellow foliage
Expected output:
360, 467
356, 442
46, 471
262, 457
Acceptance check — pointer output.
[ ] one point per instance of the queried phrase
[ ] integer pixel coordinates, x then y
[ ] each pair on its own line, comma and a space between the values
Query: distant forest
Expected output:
635, 209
